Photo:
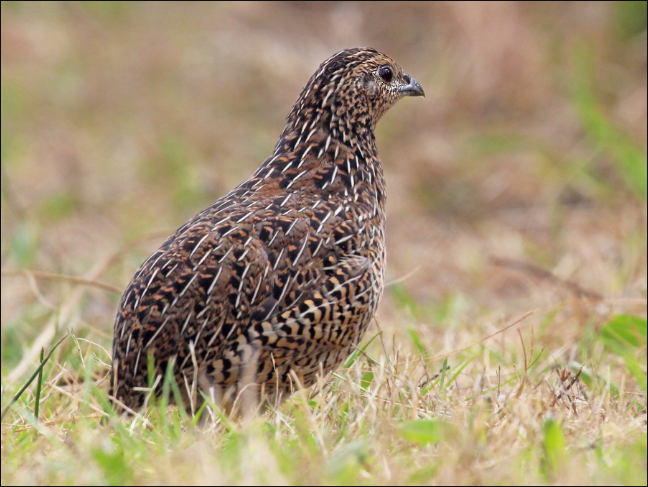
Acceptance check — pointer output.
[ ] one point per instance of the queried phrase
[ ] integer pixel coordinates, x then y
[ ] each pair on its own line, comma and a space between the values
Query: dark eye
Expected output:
386, 74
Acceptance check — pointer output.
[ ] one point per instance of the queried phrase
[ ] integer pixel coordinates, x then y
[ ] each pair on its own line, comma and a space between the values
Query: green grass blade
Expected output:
553, 445
358, 351
444, 367
39, 385
31, 379
630, 159
515, 377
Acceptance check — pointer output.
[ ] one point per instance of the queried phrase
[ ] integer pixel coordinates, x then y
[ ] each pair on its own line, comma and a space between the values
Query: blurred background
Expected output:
519, 181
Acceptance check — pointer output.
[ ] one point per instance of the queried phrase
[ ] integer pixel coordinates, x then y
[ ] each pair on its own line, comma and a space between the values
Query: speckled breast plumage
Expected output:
277, 281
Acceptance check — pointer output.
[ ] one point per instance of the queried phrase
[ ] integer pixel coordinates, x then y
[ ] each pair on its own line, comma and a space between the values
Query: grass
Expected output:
510, 345
487, 414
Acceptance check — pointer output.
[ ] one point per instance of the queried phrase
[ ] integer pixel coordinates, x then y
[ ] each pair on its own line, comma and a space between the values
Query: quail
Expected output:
276, 282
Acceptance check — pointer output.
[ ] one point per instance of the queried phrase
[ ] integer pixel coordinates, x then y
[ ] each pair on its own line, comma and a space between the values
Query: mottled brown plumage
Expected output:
278, 279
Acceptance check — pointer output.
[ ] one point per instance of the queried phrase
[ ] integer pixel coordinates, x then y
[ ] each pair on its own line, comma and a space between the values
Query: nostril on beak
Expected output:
412, 88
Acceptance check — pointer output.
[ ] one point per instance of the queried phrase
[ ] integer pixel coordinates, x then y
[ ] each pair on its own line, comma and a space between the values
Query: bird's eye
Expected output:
386, 74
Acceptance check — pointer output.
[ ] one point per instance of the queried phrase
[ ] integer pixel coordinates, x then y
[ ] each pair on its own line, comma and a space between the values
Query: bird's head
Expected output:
350, 91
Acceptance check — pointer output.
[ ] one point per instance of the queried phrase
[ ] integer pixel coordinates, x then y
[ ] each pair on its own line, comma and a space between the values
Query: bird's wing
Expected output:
220, 282
197, 289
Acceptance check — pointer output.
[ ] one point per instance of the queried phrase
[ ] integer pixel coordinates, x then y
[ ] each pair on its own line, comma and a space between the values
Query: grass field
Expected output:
510, 346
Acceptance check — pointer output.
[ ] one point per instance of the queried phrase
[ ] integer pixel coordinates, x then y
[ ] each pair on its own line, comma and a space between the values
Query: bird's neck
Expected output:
327, 161
327, 148
346, 116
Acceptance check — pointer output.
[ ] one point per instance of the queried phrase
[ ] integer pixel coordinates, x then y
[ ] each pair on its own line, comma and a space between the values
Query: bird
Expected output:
275, 283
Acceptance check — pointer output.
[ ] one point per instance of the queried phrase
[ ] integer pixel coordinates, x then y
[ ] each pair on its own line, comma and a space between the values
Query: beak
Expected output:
412, 88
